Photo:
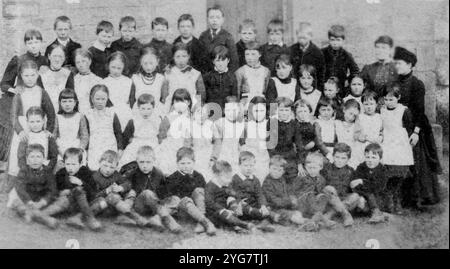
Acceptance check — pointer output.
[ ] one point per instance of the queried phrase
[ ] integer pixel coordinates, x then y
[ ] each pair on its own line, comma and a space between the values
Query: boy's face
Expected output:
145, 163
247, 35
221, 64
340, 159
105, 38
35, 123
350, 114
303, 113
313, 168
231, 111
107, 169
68, 105
160, 32
252, 57
57, 58
186, 165
35, 159
306, 80
383, 51
62, 30
186, 29
29, 77
146, 110
336, 43
83, 64
248, 167
390, 101
284, 113
72, 165
181, 58
276, 171
128, 31
275, 37
326, 112
116, 68
372, 159
330, 90
304, 37
99, 100
149, 63
357, 87
33, 46
284, 70
370, 106
215, 19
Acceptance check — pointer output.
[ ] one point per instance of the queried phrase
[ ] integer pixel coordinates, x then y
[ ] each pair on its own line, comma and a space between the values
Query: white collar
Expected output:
99, 45
281, 44
186, 41
244, 177
226, 70
64, 43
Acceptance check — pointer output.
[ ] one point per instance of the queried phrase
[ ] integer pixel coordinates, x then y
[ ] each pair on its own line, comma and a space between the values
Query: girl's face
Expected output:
149, 63
116, 68
33, 46
402, 67
68, 105
83, 64
330, 90
231, 111
284, 70
181, 58
146, 110
357, 86
303, 113
284, 113
259, 112
99, 100
221, 64
35, 123
30, 77
252, 57
57, 58
186, 29
326, 112
350, 114
383, 51
306, 80
391, 101
370, 106
248, 35
181, 106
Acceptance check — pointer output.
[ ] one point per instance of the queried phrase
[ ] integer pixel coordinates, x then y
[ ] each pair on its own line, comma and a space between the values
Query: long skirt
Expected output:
6, 129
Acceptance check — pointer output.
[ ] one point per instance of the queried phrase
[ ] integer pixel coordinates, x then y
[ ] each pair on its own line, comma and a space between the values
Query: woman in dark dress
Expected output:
423, 189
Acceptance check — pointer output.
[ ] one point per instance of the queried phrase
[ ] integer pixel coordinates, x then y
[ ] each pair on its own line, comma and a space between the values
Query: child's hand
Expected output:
264, 211
116, 188
23, 136
75, 181
356, 183
414, 139
41, 204
310, 145
301, 171
64, 193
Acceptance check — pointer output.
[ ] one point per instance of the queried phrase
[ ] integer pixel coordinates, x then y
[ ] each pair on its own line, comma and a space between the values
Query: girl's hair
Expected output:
352, 103
67, 94
185, 152
182, 95
308, 69
146, 99
121, 57
220, 52
32, 34
369, 95
55, 46
284, 102
221, 167
35, 111
181, 46
76, 152
303, 103
393, 89
374, 148
186, 17
324, 102
231, 99
95, 89
83, 53
28, 64
283, 59
255, 101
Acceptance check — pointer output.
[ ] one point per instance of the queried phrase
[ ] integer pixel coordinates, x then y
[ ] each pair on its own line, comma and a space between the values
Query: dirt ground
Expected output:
426, 230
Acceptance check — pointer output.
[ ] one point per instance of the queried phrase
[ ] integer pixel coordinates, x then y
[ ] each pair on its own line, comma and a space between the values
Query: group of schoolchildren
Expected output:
205, 129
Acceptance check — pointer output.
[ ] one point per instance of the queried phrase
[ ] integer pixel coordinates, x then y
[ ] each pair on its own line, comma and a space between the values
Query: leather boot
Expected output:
377, 217
155, 222
171, 224
46, 220
297, 218
320, 219
340, 208
76, 221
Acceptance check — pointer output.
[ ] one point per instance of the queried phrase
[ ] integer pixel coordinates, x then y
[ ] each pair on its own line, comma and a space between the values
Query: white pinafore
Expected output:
182, 80
396, 147
54, 82
231, 134
328, 131
346, 134
119, 95
256, 143
357, 99
68, 129
83, 85
30, 97
153, 88
101, 135
202, 139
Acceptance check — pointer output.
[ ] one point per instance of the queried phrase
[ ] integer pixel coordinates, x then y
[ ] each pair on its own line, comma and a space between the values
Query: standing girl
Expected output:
397, 151
148, 81
29, 95
283, 85
184, 76
357, 87
308, 91
175, 131
56, 78
120, 87
103, 125
84, 80
346, 131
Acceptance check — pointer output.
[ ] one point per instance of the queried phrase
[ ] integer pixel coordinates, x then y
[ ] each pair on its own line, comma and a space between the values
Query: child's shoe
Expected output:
199, 228
76, 222
172, 225
265, 227
93, 224
155, 222
310, 226
209, 227
377, 217
297, 218
140, 221
274, 217
348, 219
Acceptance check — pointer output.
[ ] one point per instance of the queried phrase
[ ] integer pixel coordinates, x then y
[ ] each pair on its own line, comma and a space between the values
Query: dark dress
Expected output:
132, 49
425, 186
378, 75
199, 59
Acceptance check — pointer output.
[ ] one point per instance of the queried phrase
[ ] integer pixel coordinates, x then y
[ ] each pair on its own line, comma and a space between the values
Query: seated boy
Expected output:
222, 206
277, 193
338, 176
146, 183
34, 189
308, 190
76, 189
249, 191
186, 189
369, 181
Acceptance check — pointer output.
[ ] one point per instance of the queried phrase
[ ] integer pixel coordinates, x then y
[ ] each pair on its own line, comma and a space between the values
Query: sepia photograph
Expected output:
224, 125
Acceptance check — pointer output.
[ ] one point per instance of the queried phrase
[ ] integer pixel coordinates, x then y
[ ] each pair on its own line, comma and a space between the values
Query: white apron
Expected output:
230, 149
180, 80
346, 135
154, 89
119, 95
83, 86
54, 82
285, 90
